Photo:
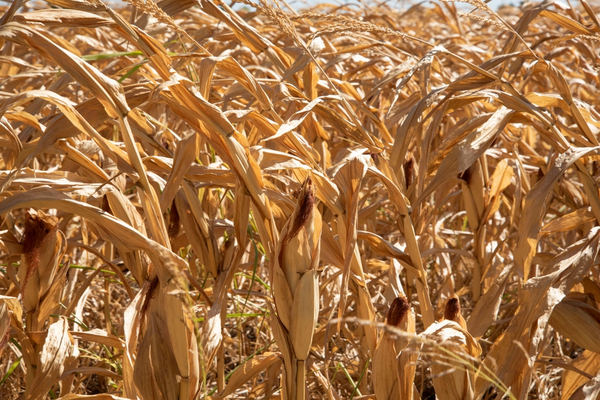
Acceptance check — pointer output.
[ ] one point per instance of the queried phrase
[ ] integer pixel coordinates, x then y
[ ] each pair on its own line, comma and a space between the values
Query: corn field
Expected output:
202, 200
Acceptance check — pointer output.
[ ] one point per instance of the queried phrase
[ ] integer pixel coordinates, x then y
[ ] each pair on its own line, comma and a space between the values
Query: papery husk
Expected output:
452, 351
385, 370
296, 286
43, 246
393, 374
305, 312
4, 327
57, 348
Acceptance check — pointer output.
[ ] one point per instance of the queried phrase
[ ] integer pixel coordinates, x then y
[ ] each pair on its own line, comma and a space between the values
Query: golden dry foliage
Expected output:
207, 201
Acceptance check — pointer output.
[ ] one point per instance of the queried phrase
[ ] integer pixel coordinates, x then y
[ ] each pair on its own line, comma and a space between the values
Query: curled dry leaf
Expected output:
576, 317
588, 363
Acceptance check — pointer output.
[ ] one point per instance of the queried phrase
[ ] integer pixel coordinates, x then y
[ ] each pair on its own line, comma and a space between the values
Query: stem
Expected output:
300, 380
221, 368
362, 374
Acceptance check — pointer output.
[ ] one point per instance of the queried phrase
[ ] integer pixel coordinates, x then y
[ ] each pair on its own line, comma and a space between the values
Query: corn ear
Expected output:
43, 247
393, 376
451, 351
57, 348
470, 205
305, 312
296, 287
4, 327
407, 365
473, 195
452, 312
283, 298
385, 370
477, 186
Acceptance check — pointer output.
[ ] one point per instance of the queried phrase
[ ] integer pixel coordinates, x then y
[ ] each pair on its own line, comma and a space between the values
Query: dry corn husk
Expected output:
296, 287
57, 349
473, 194
43, 246
451, 355
577, 318
393, 366
4, 327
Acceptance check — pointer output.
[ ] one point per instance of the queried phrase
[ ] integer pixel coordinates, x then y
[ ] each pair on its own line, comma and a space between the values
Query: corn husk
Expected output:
43, 246
393, 362
57, 348
296, 286
4, 327
452, 351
